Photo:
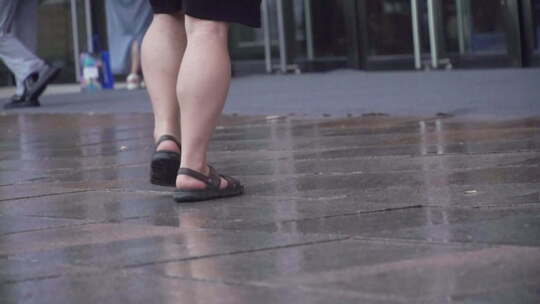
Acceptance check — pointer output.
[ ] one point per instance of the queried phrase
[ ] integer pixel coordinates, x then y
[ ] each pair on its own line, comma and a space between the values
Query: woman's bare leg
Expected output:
163, 48
203, 85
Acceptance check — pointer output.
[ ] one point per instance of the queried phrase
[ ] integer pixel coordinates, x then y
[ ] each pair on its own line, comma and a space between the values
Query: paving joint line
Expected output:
339, 238
389, 209
471, 245
44, 195
35, 279
50, 228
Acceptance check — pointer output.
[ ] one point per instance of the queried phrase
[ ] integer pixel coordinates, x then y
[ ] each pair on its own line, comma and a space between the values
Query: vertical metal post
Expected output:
75, 33
416, 35
309, 30
433, 35
267, 36
89, 31
461, 25
281, 37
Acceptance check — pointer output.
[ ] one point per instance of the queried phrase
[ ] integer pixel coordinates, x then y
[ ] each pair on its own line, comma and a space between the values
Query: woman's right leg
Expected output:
162, 50
203, 84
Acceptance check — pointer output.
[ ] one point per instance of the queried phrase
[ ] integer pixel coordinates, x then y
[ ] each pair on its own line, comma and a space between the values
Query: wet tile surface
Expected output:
358, 210
156, 289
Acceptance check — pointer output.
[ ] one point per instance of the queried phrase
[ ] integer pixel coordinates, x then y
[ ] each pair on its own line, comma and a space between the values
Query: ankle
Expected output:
199, 167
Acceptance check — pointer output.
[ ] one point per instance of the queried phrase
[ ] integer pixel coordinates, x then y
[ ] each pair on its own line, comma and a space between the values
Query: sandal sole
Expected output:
181, 196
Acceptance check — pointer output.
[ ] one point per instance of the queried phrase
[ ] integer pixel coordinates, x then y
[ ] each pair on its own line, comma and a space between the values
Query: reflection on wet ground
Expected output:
357, 210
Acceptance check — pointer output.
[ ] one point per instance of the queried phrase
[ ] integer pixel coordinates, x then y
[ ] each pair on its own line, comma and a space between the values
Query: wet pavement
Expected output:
373, 209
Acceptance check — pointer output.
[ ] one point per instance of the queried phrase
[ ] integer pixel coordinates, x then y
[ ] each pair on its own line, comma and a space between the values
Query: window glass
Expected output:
389, 27
536, 23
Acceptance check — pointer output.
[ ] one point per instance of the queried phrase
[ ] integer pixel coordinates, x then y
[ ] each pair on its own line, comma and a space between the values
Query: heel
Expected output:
164, 168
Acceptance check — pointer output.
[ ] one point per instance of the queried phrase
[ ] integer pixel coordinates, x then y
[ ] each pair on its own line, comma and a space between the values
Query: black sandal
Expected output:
212, 190
165, 164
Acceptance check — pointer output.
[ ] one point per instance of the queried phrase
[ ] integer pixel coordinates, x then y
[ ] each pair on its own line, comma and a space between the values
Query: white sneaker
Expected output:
133, 82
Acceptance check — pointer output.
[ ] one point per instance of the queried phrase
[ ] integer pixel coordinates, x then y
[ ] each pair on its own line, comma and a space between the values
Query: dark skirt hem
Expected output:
250, 23
246, 12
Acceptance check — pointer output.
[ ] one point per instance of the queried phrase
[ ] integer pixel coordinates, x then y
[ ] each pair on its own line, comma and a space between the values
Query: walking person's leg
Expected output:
36, 74
203, 85
25, 29
17, 57
162, 51
134, 78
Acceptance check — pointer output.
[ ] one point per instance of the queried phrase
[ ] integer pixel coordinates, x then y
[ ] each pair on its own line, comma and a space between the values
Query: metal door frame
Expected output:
286, 36
436, 35
75, 32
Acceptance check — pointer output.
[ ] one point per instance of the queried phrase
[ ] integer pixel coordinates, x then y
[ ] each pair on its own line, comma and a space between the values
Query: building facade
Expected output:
401, 34
315, 35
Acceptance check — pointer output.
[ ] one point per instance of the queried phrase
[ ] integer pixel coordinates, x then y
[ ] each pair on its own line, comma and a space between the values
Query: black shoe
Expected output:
165, 164
37, 82
211, 191
21, 102
16, 98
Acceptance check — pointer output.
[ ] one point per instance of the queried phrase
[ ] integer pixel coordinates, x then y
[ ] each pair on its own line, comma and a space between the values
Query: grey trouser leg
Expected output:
26, 21
15, 54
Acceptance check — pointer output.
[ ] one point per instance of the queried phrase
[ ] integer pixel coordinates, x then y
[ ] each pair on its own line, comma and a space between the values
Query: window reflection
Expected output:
389, 27
55, 43
536, 24
486, 26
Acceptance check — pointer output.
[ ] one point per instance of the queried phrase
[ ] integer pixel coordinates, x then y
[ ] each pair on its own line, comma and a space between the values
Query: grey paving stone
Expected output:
53, 166
518, 226
471, 178
91, 234
126, 287
114, 246
471, 196
28, 190
469, 93
252, 211
414, 150
513, 228
371, 209
97, 206
465, 276
285, 266
382, 164
399, 271
17, 224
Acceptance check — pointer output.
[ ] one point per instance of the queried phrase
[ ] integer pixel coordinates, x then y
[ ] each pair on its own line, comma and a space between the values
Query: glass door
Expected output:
480, 33
536, 32
530, 13
440, 33
536, 26
388, 35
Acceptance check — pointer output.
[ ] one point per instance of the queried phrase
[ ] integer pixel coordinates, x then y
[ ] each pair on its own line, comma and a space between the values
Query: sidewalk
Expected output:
404, 208
476, 93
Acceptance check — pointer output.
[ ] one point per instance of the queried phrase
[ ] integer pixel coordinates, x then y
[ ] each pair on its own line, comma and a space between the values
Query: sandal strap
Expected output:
212, 181
168, 137
231, 182
214, 177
